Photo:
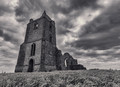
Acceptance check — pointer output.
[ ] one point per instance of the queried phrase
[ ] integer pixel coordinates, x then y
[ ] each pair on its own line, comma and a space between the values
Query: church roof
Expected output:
46, 16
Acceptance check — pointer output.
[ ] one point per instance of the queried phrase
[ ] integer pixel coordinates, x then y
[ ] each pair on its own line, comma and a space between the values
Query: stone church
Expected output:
39, 52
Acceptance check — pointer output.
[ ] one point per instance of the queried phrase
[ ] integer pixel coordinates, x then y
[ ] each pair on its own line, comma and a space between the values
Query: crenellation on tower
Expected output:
31, 20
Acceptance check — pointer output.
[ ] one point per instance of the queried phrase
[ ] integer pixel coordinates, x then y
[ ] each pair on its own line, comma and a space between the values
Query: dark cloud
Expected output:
66, 23
1, 33
63, 27
5, 8
102, 32
8, 53
55, 6
62, 31
11, 38
9, 31
75, 5
104, 43
26, 8
8, 37
99, 55
10, 34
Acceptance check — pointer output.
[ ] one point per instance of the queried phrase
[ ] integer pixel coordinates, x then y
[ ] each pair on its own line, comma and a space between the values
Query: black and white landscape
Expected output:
88, 29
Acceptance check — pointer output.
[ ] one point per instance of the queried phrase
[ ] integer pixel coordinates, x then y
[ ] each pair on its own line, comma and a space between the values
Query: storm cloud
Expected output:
102, 32
87, 29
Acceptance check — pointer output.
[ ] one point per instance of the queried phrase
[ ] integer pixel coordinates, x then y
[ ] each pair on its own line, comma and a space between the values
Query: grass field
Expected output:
80, 78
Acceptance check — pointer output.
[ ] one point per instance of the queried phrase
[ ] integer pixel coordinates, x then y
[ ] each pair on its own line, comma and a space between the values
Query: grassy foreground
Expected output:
80, 78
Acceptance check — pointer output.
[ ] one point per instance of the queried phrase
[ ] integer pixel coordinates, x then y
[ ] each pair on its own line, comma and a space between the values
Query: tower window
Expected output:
36, 26
50, 28
33, 47
50, 39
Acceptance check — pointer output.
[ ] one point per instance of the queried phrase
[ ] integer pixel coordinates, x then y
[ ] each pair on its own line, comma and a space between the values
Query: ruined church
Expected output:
39, 51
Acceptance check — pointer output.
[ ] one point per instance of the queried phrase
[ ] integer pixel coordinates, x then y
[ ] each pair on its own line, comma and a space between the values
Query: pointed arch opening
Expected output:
31, 65
65, 61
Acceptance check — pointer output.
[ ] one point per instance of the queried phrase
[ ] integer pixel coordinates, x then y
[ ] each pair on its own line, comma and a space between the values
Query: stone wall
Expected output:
59, 60
77, 67
48, 46
47, 57
21, 58
33, 34
36, 57
69, 61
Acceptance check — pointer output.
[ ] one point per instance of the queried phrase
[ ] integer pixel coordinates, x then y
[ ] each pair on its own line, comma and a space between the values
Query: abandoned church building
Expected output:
39, 52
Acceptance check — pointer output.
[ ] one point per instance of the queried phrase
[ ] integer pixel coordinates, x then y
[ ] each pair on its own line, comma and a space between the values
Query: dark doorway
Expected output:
59, 68
30, 68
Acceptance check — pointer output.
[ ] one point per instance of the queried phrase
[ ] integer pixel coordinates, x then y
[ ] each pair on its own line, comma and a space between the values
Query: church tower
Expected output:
37, 53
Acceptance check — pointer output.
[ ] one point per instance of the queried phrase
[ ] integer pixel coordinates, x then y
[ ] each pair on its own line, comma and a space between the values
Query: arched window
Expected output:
65, 63
33, 47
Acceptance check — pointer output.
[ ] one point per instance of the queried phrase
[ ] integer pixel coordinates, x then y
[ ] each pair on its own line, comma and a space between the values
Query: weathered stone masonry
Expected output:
39, 52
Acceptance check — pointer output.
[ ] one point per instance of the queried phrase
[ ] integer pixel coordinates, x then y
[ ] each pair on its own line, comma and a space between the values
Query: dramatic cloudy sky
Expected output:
88, 29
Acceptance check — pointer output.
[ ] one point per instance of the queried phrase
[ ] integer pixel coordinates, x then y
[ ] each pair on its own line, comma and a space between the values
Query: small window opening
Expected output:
33, 47
36, 26
50, 28
50, 39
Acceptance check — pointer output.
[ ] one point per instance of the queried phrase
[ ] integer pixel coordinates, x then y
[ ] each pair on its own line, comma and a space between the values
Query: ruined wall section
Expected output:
58, 55
69, 61
21, 58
